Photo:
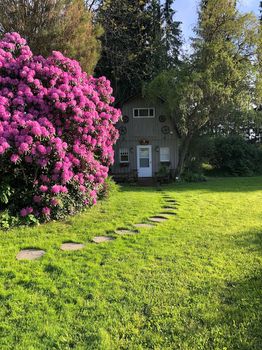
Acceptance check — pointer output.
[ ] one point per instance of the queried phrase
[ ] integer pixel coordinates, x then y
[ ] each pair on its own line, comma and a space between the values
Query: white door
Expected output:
144, 161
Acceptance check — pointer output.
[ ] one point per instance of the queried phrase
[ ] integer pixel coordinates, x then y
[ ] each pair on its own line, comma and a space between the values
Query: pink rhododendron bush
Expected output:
56, 133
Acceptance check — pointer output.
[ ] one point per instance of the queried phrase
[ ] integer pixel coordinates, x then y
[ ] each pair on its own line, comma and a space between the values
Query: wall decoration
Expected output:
165, 130
162, 118
125, 119
144, 142
122, 130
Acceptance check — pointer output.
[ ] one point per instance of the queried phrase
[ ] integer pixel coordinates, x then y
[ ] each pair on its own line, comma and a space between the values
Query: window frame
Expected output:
144, 117
169, 155
124, 150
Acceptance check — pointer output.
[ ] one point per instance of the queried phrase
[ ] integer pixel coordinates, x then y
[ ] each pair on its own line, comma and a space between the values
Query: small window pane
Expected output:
124, 155
143, 112
144, 163
164, 154
144, 153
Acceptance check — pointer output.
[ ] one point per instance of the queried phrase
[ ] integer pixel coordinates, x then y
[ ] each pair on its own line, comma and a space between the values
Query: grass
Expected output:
193, 282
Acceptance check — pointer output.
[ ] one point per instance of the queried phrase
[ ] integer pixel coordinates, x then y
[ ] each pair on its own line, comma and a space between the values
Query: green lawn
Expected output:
193, 282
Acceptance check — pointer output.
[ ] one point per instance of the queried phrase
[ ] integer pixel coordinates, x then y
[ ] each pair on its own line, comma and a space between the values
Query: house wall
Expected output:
148, 129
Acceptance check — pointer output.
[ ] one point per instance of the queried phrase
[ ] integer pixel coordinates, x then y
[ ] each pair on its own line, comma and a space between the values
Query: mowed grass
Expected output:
193, 282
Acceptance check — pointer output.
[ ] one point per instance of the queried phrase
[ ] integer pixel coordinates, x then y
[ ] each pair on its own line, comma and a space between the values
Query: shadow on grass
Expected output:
223, 184
241, 300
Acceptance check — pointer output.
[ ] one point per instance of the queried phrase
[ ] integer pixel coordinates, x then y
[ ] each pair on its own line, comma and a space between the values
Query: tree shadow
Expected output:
241, 300
224, 184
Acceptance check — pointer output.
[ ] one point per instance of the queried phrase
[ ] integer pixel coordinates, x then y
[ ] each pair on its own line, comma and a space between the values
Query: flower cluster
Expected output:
57, 131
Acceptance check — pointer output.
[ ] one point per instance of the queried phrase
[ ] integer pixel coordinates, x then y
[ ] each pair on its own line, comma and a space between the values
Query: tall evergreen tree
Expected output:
78, 37
172, 34
141, 38
126, 54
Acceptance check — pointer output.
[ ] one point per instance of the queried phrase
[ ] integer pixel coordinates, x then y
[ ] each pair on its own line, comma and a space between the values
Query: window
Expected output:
144, 112
164, 154
124, 155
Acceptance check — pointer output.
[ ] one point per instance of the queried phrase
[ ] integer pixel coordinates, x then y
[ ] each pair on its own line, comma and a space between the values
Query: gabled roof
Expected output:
161, 99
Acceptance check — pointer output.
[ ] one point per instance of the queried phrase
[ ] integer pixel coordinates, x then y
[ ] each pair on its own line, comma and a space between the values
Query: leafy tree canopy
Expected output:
48, 25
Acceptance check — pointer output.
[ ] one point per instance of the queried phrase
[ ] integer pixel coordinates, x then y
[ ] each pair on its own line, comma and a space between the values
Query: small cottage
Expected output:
148, 142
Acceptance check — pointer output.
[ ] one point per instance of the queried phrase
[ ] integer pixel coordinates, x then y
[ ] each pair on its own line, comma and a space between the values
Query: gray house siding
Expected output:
137, 130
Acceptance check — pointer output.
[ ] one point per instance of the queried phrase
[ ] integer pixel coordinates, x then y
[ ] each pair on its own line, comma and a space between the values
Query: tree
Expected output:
171, 34
217, 81
140, 39
65, 25
126, 57
34, 20
77, 36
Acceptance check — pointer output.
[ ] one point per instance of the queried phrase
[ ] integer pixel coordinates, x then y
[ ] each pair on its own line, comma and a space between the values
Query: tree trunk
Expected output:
183, 151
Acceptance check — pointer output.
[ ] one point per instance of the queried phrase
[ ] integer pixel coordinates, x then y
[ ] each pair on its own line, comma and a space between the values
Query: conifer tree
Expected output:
141, 39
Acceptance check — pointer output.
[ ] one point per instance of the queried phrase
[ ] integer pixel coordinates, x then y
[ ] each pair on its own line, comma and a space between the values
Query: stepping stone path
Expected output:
158, 218
30, 254
144, 225
70, 246
124, 231
101, 239
33, 254
168, 213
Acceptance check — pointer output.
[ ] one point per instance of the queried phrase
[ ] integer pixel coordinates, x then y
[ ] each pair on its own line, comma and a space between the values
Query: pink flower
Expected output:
41, 149
14, 158
26, 211
43, 188
46, 211
23, 212
56, 189
23, 147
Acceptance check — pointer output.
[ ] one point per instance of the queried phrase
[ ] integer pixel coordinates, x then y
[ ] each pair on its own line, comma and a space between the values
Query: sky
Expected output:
187, 14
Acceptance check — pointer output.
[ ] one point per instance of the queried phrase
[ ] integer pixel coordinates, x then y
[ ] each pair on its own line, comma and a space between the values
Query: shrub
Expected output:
234, 156
56, 133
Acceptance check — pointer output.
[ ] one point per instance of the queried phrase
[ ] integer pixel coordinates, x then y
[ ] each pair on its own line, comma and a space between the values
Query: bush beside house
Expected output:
56, 133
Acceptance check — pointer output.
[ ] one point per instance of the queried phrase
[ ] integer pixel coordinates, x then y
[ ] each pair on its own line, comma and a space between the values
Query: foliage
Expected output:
190, 176
193, 282
235, 156
216, 83
140, 39
34, 20
55, 25
56, 132
78, 37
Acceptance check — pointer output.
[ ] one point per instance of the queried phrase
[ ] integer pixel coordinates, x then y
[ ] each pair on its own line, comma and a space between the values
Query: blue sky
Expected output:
187, 13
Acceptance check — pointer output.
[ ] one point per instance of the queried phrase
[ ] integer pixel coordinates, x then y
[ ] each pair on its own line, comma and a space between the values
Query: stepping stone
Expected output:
169, 208
70, 246
101, 239
124, 231
168, 213
144, 225
30, 254
171, 201
158, 218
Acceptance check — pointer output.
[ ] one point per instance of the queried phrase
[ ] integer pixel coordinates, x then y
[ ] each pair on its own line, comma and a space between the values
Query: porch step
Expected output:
146, 181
